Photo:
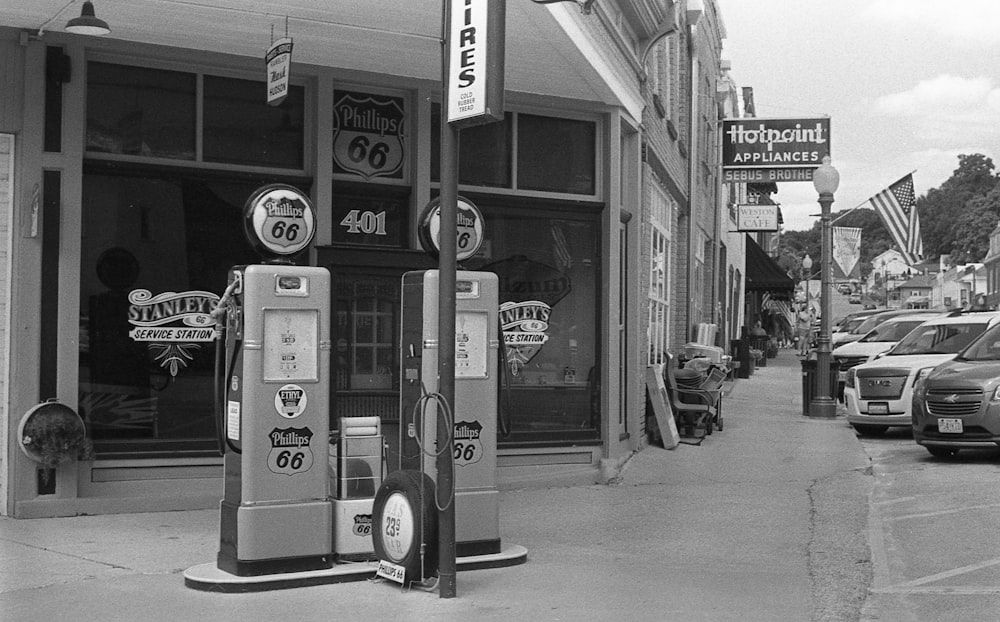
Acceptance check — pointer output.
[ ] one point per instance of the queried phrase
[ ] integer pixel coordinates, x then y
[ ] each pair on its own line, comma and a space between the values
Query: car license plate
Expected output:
878, 408
950, 426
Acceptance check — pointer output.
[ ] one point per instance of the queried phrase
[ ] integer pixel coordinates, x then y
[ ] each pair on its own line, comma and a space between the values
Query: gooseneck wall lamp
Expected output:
826, 179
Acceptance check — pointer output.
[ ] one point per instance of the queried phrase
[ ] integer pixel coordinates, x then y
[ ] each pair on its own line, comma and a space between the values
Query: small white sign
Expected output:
278, 61
233, 421
290, 401
389, 570
757, 218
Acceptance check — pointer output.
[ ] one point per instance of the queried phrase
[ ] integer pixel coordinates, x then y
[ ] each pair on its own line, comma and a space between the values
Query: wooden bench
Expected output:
705, 410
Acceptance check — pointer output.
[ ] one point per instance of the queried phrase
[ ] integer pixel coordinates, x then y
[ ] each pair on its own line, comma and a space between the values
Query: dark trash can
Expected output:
759, 342
810, 378
740, 349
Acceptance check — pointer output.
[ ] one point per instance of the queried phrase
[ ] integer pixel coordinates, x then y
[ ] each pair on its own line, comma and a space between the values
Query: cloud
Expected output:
945, 91
963, 23
947, 110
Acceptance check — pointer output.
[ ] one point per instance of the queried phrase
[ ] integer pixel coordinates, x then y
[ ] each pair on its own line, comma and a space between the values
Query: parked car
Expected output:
878, 340
844, 288
854, 299
872, 319
957, 405
878, 394
848, 322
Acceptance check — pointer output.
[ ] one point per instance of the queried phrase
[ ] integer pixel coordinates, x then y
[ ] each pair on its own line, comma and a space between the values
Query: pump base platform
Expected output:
208, 577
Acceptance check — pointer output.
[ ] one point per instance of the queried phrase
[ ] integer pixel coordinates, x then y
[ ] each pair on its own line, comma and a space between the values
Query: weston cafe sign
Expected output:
771, 150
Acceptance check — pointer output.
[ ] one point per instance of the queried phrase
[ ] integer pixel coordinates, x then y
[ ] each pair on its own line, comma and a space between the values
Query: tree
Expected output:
972, 229
942, 209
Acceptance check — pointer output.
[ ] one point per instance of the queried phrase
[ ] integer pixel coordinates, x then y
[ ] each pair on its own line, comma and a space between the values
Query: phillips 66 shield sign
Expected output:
368, 135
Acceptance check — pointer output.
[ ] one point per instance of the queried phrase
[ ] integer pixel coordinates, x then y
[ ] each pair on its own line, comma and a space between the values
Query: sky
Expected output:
908, 86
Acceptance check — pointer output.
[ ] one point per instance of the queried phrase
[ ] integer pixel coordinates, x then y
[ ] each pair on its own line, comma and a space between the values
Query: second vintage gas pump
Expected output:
273, 394
473, 416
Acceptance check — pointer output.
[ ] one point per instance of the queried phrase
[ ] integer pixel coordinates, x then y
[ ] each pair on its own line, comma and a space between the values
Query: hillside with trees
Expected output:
955, 219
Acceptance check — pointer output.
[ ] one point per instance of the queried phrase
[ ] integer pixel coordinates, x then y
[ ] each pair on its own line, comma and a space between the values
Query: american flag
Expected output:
898, 209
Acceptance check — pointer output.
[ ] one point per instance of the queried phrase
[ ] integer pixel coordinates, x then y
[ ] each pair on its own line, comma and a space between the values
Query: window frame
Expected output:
198, 160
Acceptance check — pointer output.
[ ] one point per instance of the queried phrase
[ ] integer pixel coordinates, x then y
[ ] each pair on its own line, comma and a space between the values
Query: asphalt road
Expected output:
933, 535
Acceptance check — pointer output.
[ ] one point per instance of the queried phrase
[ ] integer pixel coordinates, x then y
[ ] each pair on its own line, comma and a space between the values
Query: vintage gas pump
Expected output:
477, 510
276, 515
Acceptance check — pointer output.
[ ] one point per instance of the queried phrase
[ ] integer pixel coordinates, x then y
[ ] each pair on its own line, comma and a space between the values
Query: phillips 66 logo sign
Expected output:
368, 137
468, 444
278, 219
290, 452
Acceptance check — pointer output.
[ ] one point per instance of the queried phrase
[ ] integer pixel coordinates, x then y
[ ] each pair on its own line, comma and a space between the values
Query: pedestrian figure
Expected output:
803, 325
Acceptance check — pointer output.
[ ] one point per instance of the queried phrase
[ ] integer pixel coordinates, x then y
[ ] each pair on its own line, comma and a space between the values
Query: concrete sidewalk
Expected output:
765, 520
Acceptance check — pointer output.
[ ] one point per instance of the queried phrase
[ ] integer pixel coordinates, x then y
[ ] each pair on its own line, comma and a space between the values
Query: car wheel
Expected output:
870, 430
942, 452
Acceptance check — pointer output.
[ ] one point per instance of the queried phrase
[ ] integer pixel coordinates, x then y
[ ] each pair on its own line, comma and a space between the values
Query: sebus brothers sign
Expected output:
763, 150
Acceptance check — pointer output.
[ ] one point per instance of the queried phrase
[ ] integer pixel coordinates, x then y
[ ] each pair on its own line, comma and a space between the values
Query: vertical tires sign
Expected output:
476, 62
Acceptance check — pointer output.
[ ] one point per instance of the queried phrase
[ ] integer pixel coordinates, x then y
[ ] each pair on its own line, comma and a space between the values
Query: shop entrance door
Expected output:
364, 365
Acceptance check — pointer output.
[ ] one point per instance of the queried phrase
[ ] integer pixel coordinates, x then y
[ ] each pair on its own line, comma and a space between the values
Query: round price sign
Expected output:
397, 527
470, 228
278, 219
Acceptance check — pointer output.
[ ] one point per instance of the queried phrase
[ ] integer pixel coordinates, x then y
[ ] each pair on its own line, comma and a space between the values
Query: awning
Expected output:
763, 274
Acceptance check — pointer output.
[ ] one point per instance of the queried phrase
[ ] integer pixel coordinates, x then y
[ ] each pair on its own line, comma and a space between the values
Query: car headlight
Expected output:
996, 395
920, 387
849, 378
921, 374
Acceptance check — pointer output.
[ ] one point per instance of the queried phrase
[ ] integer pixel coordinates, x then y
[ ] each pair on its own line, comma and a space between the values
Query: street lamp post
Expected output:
807, 265
825, 180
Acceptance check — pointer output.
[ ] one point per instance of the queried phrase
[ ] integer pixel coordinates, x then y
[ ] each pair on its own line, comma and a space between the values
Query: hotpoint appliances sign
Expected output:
773, 150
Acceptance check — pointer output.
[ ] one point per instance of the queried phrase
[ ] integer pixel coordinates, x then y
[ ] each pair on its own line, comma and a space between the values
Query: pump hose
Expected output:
449, 420
220, 313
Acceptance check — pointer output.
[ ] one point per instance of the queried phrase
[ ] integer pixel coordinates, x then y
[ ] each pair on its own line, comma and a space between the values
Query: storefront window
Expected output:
156, 249
484, 152
548, 264
556, 155
240, 129
140, 111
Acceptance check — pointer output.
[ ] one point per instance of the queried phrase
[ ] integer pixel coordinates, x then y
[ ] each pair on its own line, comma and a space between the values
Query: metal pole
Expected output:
447, 261
823, 404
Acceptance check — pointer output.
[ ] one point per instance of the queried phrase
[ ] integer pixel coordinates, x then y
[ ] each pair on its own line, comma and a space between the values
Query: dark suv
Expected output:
957, 405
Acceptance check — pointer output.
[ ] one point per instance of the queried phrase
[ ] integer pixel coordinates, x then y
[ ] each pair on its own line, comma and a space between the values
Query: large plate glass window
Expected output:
145, 388
548, 264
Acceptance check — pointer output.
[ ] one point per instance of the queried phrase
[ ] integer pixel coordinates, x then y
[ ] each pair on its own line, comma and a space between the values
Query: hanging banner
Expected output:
846, 253
476, 62
278, 61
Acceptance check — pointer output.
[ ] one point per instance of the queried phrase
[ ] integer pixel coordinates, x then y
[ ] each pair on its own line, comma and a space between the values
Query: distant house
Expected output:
992, 266
916, 292
957, 287
889, 269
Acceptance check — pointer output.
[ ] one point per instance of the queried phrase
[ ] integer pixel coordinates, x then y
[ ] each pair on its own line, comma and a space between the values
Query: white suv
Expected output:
877, 393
